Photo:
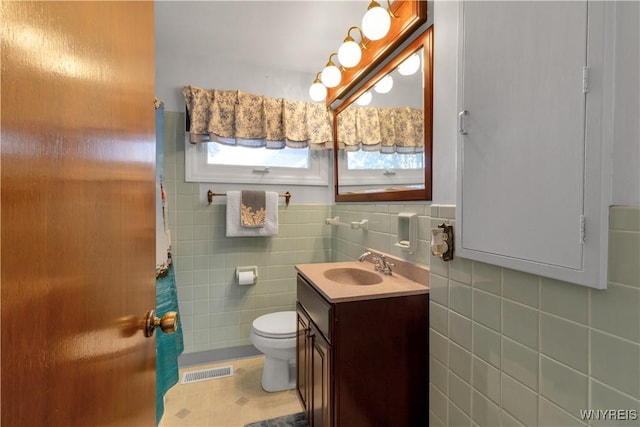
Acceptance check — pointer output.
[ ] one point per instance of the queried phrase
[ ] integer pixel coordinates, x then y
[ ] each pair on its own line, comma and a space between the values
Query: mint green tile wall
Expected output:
217, 313
382, 234
513, 349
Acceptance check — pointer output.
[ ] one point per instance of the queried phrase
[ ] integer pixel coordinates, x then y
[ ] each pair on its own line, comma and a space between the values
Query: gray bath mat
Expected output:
294, 420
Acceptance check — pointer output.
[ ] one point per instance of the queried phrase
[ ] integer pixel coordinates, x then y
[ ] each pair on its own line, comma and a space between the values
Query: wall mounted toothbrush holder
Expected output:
442, 243
356, 225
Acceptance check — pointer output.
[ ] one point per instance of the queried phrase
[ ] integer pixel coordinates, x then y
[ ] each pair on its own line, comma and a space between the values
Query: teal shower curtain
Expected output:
168, 346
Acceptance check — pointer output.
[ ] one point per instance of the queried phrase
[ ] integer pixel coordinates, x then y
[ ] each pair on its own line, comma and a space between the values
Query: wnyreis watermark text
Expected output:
609, 414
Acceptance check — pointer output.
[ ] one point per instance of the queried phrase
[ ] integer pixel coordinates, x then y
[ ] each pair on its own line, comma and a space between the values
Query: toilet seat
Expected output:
278, 325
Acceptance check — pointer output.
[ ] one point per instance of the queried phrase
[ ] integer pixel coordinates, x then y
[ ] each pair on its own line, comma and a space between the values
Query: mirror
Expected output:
383, 131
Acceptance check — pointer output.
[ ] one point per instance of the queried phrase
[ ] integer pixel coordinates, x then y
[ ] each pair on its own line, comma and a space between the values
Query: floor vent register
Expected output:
206, 374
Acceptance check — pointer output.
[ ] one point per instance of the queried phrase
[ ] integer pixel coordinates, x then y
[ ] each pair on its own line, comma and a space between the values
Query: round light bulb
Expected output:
330, 76
364, 99
376, 23
410, 65
384, 85
349, 54
318, 92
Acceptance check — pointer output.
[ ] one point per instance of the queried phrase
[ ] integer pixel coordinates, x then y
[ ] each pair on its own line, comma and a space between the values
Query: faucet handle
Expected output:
377, 262
389, 266
386, 266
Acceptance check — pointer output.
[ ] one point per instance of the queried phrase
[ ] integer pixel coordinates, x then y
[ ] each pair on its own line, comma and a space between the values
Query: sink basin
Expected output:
352, 276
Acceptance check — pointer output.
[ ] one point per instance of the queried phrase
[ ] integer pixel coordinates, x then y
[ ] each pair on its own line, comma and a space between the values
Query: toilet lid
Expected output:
276, 325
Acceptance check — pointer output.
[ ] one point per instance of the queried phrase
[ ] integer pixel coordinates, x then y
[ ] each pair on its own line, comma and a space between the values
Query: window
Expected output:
375, 160
214, 162
373, 168
219, 154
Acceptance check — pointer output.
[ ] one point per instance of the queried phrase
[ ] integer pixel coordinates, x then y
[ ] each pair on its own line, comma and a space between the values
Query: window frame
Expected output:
376, 177
198, 170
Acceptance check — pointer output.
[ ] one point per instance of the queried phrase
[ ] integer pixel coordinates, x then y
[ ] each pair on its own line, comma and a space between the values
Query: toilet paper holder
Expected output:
247, 275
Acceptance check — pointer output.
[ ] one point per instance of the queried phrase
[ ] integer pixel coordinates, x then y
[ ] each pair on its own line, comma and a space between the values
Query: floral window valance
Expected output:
240, 118
388, 130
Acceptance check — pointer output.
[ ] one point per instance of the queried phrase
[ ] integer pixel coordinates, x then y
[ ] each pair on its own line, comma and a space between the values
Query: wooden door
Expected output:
77, 213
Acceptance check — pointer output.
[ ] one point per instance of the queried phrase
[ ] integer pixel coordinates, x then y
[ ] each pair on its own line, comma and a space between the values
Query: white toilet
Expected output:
274, 334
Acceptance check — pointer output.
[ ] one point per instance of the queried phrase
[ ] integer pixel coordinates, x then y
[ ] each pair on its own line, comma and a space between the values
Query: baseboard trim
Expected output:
218, 355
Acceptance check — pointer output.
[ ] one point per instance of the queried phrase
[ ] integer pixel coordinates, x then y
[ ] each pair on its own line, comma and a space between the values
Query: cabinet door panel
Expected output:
321, 373
302, 358
521, 163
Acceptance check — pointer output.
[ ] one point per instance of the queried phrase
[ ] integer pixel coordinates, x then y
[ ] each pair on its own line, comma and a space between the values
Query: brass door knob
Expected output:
168, 323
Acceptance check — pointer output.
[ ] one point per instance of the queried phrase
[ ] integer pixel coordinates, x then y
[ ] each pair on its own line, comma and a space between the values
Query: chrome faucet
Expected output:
380, 262
362, 257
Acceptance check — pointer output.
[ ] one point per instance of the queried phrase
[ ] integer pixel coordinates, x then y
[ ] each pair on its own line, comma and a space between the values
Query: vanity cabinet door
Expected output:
303, 354
529, 176
313, 365
320, 380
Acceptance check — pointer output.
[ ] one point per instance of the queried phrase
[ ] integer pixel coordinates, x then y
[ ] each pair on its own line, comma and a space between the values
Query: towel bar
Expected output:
210, 194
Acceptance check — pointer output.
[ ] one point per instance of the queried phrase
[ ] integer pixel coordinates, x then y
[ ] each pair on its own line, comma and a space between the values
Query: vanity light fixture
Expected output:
384, 85
331, 75
318, 91
377, 21
410, 65
364, 99
349, 53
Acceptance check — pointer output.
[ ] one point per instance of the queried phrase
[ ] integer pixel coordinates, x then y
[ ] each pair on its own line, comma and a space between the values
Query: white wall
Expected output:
626, 125
444, 101
207, 72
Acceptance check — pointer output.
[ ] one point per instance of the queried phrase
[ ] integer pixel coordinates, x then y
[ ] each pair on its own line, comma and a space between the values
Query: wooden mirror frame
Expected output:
425, 41
409, 15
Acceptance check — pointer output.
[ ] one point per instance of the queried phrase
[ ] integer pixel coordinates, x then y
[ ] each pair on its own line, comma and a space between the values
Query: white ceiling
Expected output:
287, 35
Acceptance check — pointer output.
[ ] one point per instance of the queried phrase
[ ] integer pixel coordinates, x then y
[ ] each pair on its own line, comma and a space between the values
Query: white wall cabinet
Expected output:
532, 190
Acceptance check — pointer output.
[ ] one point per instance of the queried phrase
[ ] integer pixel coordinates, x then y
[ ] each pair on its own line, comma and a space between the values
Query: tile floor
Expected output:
226, 402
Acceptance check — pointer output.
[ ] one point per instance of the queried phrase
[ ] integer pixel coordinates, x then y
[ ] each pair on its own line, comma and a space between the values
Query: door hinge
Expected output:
585, 79
582, 228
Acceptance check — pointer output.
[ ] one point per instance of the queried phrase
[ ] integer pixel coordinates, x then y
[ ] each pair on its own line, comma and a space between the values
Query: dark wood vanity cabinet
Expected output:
363, 363
314, 371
